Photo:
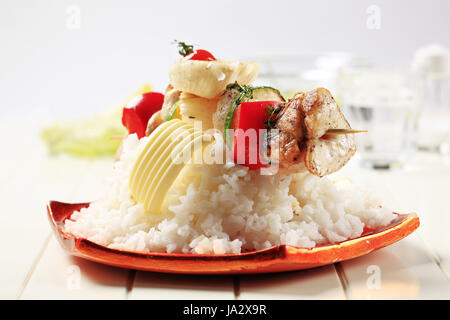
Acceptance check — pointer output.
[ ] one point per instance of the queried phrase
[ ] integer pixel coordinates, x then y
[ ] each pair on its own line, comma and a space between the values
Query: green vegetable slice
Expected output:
95, 136
172, 111
266, 93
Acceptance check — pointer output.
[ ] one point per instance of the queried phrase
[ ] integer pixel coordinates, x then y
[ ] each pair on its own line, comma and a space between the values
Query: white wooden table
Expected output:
33, 266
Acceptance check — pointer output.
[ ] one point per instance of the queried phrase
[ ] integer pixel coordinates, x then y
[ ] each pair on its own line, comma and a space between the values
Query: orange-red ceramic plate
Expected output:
275, 259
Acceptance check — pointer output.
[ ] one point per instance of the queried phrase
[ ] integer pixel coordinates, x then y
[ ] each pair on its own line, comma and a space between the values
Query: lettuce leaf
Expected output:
99, 135
92, 137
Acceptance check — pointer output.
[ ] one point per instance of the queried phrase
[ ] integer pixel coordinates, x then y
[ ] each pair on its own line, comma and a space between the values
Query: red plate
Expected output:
275, 259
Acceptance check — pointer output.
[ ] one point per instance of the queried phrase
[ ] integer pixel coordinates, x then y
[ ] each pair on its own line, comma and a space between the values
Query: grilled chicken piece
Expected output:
153, 123
223, 107
290, 138
170, 97
302, 140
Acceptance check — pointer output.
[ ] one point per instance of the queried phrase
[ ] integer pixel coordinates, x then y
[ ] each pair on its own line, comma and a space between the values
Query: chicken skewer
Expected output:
312, 133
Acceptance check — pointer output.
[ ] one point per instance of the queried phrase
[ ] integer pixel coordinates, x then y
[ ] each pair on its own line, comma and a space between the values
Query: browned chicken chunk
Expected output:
302, 135
154, 122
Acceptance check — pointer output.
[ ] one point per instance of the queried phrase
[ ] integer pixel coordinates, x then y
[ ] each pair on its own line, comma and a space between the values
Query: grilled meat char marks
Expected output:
304, 122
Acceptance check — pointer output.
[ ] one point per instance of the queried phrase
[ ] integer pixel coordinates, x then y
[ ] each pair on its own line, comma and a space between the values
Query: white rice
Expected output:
219, 209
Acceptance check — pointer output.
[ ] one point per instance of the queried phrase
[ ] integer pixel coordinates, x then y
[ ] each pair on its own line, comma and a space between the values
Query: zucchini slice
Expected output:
266, 94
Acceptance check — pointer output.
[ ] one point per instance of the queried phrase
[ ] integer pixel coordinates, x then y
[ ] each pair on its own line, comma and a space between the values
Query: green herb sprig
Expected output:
272, 115
183, 48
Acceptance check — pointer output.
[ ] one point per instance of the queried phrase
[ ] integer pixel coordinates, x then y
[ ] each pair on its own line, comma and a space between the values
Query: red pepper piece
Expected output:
136, 114
248, 119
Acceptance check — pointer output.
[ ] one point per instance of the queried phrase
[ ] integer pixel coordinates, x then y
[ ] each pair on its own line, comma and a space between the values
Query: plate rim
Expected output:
274, 259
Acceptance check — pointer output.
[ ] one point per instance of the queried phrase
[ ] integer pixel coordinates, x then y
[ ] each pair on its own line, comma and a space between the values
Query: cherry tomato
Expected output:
200, 54
136, 114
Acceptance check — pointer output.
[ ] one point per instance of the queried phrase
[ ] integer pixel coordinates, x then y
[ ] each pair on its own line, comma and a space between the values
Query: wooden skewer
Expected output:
343, 131
329, 132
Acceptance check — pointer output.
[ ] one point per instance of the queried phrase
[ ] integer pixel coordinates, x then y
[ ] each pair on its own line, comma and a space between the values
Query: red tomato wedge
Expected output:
200, 54
136, 114
249, 121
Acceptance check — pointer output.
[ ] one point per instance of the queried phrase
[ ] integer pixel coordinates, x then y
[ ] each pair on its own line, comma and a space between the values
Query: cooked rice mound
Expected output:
218, 209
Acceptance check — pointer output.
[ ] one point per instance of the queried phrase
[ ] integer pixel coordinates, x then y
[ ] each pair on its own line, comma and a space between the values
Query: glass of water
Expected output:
386, 103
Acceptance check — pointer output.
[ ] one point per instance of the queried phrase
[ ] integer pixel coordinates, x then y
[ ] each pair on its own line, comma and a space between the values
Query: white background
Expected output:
46, 65
48, 69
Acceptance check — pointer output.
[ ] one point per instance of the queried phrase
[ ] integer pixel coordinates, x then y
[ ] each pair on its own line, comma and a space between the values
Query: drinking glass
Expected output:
291, 73
386, 103
432, 66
